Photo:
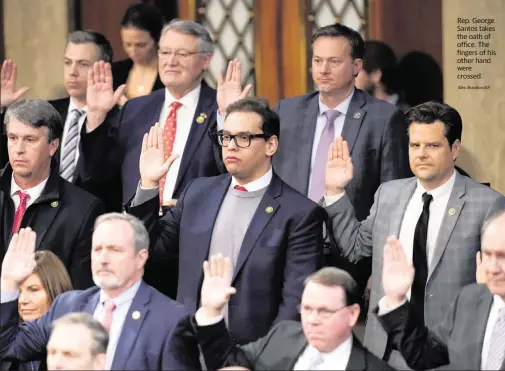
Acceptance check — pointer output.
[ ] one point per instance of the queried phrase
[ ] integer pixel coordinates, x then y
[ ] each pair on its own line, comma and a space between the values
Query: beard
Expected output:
107, 282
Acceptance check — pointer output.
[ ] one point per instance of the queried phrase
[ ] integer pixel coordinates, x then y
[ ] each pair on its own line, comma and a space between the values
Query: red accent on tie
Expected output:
240, 188
20, 211
169, 131
108, 308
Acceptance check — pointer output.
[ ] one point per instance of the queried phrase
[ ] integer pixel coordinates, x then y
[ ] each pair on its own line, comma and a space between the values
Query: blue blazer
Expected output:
280, 249
161, 339
200, 157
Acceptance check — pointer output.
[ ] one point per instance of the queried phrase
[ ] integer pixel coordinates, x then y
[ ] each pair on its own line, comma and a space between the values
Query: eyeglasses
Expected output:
323, 313
181, 55
242, 140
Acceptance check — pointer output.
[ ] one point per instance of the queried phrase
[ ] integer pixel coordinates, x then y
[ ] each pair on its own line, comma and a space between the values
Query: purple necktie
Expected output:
327, 136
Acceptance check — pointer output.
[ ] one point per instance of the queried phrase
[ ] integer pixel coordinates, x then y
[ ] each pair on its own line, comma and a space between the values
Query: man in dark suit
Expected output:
272, 233
375, 130
33, 194
323, 339
471, 336
147, 330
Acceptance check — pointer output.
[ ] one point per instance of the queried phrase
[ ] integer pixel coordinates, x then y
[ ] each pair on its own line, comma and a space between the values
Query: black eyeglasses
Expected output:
242, 140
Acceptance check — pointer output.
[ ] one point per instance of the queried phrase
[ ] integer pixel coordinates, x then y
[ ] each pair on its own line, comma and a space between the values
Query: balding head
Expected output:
493, 253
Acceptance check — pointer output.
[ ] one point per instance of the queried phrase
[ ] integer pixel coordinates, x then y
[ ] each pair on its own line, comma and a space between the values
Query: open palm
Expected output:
100, 96
8, 93
216, 286
398, 273
339, 169
229, 88
19, 261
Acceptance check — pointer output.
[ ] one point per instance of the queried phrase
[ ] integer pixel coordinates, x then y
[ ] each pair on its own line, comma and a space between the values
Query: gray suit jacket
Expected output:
453, 264
456, 342
278, 350
375, 130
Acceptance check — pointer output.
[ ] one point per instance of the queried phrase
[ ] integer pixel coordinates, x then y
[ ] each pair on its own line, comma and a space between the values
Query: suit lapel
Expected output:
133, 322
399, 210
451, 216
357, 359
354, 119
91, 304
485, 301
297, 346
259, 222
206, 105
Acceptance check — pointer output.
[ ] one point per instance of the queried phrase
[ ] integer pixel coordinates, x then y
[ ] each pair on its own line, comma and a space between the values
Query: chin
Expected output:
107, 283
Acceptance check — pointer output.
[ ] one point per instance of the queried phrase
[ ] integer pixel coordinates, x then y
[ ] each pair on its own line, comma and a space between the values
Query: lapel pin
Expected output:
136, 315
201, 118
54, 203
269, 209
357, 115
452, 211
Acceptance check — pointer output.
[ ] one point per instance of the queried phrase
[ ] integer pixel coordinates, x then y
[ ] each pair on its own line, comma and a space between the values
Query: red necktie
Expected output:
20, 211
240, 188
108, 308
169, 131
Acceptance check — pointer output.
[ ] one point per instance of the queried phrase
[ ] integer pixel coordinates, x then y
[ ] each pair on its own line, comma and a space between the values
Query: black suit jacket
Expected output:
93, 172
456, 343
278, 350
121, 70
63, 217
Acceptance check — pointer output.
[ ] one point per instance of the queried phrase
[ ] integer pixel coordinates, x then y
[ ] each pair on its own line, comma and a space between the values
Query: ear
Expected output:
272, 145
206, 61
355, 311
456, 147
99, 361
53, 146
357, 65
143, 255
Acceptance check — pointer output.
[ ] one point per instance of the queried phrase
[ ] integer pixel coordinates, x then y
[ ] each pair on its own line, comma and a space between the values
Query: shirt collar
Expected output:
125, 297
337, 354
257, 184
498, 302
393, 99
190, 100
33, 192
343, 107
72, 106
440, 191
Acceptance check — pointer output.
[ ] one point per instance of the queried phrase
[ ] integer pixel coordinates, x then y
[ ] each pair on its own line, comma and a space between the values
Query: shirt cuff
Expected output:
8, 296
204, 320
220, 121
143, 195
385, 309
330, 200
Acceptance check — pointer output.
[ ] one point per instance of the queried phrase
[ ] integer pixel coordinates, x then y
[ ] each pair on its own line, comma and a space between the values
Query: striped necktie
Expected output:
69, 150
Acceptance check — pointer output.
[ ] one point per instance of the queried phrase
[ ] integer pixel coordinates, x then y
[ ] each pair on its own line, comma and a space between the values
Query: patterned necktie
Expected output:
69, 150
240, 188
20, 211
317, 185
108, 308
169, 132
420, 257
496, 353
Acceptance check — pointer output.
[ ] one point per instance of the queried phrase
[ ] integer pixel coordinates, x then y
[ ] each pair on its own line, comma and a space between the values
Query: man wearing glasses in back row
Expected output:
271, 233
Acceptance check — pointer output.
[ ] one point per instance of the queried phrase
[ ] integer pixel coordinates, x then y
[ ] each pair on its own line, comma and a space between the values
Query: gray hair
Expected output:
335, 277
98, 332
194, 29
490, 220
103, 45
37, 113
140, 235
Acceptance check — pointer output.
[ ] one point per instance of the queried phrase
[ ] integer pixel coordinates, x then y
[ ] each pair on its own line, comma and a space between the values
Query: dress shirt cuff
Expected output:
143, 195
385, 309
330, 200
220, 121
8, 296
203, 319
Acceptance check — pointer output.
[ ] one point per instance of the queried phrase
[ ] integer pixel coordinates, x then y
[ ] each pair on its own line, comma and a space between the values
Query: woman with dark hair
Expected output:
140, 32
36, 294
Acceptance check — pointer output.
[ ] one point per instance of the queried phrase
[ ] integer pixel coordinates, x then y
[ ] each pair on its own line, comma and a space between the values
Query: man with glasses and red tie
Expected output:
272, 233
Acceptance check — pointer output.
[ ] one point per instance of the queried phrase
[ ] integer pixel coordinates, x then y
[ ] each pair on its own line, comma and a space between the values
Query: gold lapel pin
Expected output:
136, 315
269, 209
54, 203
452, 211
357, 115
201, 118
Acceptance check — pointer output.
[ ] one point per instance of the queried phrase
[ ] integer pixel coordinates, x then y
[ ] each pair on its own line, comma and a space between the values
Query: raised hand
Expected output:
216, 286
397, 273
100, 97
19, 261
8, 92
339, 169
480, 275
152, 163
229, 88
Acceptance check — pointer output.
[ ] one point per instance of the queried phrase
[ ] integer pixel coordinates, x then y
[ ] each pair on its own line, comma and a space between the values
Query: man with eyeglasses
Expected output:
185, 109
271, 233
322, 341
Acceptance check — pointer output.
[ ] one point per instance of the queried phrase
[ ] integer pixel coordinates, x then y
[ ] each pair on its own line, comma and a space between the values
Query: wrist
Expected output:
148, 184
95, 119
334, 191
395, 301
210, 312
8, 285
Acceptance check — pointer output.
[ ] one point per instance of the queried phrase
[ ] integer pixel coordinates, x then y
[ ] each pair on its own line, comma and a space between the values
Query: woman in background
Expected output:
140, 32
36, 294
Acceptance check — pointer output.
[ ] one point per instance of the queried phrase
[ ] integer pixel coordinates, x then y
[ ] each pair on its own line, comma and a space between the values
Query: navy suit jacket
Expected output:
161, 339
280, 249
200, 157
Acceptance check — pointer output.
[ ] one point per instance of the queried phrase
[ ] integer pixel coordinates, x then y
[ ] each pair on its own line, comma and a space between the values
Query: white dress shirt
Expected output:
34, 192
257, 184
337, 359
66, 128
498, 304
185, 115
123, 303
